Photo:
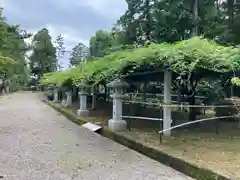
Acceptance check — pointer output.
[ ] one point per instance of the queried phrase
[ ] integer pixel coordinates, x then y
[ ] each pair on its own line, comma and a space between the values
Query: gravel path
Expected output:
37, 143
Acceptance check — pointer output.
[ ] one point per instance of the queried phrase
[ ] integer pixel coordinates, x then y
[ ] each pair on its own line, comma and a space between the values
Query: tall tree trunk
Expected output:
195, 17
192, 99
192, 112
230, 13
149, 21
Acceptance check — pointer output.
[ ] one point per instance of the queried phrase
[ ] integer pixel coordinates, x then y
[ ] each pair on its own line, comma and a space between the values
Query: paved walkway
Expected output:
37, 143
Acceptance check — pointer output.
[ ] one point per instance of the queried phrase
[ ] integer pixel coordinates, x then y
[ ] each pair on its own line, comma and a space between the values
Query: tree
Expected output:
12, 51
100, 43
137, 22
169, 20
43, 58
60, 49
80, 53
232, 14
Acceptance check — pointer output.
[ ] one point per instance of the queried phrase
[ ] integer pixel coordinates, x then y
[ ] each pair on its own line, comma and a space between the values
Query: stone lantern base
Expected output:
82, 113
55, 97
117, 125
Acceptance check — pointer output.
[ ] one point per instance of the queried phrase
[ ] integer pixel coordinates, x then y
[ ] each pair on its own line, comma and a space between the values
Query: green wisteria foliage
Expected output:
184, 57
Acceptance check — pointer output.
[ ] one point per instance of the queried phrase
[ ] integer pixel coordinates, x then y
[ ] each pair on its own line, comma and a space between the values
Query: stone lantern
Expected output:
83, 92
69, 98
117, 88
55, 94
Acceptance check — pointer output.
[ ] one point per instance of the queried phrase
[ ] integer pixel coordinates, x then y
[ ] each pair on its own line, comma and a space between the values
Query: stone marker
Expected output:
83, 112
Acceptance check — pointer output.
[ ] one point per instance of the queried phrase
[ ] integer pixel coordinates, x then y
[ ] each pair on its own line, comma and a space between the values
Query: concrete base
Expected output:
117, 125
56, 101
82, 113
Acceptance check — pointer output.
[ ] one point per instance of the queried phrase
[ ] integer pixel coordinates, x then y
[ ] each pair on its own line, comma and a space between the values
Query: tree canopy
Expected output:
100, 43
80, 53
157, 33
149, 21
43, 58
60, 50
12, 50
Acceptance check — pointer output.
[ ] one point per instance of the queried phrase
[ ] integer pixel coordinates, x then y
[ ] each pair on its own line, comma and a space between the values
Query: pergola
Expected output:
161, 75
188, 60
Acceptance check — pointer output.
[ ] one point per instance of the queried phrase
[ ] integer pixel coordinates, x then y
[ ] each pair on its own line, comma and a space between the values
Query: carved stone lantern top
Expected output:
118, 83
68, 93
83, 88
117, 88
82, 84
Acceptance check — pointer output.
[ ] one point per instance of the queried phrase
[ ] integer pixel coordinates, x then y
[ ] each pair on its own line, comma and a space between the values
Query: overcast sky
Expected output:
76, 20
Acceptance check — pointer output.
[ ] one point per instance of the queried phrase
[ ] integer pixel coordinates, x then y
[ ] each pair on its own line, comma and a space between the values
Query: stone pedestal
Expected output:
94, 97
117, 123
7, 89
167, 120
69, 99
83, 111
55, 96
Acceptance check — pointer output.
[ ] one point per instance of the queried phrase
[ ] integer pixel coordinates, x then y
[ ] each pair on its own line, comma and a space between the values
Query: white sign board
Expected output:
91, 127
